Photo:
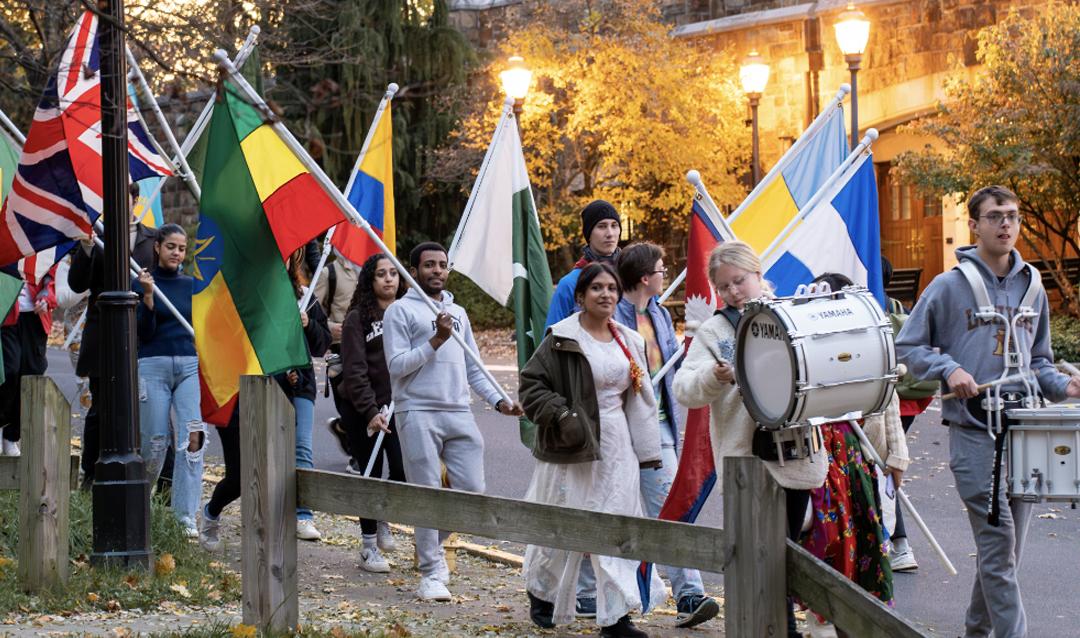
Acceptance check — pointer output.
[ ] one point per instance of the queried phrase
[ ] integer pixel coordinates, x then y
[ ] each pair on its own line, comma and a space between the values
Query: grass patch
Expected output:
192, 576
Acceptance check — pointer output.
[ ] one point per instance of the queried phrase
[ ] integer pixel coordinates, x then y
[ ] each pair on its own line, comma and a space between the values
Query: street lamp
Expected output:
852, 32
515, 82
754, 75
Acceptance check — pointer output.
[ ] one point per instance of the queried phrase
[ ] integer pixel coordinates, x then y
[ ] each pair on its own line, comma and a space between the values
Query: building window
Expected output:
905, 202
931, 206
894, 200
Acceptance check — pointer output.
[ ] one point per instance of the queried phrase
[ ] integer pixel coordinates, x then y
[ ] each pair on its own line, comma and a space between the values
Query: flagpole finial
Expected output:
222, 59
255, 29
870, 137
391, 90
844, 89
509, 101
694, 177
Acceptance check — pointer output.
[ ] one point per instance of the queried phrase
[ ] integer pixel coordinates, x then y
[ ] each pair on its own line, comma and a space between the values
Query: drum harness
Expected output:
995, 403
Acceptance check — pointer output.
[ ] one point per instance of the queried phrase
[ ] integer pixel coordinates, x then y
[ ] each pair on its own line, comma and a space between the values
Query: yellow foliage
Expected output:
618, 110
243, 631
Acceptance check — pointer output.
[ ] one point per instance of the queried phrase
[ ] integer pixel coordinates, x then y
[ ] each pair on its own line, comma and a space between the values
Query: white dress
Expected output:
608, 485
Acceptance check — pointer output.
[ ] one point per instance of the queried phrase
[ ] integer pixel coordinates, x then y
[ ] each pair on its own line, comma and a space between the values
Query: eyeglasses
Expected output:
995, 219
662, 271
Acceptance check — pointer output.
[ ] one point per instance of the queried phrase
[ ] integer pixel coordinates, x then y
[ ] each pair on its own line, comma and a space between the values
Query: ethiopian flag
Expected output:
259, 205
9, 162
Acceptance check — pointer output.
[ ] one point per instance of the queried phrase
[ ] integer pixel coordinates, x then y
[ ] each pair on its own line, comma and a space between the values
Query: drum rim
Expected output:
749, 401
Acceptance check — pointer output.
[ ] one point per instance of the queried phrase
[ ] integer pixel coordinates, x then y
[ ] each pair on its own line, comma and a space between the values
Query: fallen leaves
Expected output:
180, 588
243, 631
164, 565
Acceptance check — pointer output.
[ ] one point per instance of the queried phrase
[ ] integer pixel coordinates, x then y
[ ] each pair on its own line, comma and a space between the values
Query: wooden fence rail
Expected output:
760, 565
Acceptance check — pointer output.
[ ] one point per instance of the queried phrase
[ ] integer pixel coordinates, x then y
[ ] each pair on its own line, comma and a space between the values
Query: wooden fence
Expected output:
44, 475
760, 565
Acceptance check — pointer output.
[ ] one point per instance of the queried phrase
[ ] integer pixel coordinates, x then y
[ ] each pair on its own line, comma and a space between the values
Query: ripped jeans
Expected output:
173, 383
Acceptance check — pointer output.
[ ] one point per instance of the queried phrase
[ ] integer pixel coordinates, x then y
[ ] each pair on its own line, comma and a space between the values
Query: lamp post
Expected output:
754, 75
515, 82
852, 32
121, 493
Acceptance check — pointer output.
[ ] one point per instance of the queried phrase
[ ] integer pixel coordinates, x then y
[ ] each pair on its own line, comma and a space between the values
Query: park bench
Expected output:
905, 285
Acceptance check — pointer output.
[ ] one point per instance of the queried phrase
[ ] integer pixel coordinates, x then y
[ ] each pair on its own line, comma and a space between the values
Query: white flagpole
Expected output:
180, 158
12, 129
802, 141
869, 449
484, 165
343, 203
204, 115
76, 330
391, 90
864, 146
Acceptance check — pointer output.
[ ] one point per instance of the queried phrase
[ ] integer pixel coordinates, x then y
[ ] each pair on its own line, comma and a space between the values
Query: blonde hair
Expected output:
733, 253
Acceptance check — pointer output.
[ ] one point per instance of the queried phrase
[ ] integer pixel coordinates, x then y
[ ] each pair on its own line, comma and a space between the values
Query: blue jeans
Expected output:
655, 485
172, 383
305, 417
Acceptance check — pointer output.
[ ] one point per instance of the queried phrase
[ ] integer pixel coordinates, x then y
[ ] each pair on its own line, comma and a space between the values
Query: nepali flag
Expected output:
57, 193
696, 476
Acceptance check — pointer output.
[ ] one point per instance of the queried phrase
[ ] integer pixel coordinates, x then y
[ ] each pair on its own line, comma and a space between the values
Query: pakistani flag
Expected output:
9, 162
498, 243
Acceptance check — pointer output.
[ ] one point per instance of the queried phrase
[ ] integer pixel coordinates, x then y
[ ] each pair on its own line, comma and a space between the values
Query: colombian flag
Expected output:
259, 205
791, 183
371, 192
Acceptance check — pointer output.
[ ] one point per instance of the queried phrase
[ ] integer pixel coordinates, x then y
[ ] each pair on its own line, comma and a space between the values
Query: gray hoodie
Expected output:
422, 378
945, 319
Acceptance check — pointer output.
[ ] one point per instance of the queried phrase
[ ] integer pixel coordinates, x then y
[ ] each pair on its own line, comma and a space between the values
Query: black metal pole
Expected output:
121, 492
755, 169
854, 62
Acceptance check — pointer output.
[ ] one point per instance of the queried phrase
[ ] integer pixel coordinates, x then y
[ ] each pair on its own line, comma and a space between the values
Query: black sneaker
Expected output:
541, 612
622, 629
335, 427
695, 609
585, 608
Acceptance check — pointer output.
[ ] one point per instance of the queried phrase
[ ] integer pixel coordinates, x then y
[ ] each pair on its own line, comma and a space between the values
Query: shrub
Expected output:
484, 312
1065, 338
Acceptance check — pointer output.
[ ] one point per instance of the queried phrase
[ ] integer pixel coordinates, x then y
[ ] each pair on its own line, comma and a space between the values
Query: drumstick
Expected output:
869, 449
1070, 368
983, 386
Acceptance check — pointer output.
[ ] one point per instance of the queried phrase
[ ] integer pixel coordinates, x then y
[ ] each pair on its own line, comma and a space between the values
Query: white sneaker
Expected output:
372, 561
384, 538
209, 530
306, 530
432, 589
10, 448
903, 561
191, 532
442, 571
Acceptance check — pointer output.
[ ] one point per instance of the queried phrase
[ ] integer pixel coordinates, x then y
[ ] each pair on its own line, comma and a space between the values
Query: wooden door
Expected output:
911, 226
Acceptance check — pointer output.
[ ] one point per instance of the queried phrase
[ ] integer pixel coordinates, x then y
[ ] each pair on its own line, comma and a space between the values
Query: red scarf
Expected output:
636, 373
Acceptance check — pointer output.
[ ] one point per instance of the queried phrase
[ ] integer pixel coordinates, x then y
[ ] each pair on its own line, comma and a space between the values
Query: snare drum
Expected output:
1044, 453
814, 359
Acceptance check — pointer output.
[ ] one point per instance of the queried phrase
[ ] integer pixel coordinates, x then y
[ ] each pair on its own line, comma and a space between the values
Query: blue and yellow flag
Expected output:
371, 192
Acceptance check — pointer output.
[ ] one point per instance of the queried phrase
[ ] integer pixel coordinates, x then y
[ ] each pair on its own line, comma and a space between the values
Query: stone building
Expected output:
914, 46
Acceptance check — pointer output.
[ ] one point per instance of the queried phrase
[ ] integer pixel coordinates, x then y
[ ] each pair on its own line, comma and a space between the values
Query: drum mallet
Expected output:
1068, 367
983, 386
388, 412
945, 562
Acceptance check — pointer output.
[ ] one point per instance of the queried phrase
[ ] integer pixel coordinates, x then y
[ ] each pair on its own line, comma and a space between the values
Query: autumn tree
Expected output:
619, 110
1018, 124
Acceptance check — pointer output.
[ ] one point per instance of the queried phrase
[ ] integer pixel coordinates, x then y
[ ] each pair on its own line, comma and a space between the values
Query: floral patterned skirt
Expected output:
846, 530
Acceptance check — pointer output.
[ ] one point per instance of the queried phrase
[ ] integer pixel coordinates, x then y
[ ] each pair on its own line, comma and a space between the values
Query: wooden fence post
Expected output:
44, 485
755, 521
268, 505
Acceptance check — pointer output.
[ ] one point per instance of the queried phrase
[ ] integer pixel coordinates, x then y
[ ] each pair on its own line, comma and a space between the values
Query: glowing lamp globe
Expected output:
516, 78
754, 74
852, 31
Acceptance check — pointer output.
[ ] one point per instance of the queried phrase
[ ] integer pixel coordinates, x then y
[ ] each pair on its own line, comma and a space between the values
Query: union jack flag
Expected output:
57, 193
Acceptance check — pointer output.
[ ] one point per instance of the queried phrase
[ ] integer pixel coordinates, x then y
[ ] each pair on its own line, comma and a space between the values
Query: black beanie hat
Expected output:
594, 213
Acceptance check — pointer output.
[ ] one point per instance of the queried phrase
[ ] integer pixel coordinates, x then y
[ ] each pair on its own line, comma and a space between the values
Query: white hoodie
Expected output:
422, 378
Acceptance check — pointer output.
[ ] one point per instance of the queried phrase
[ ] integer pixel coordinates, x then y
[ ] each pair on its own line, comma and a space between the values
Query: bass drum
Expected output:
816, 358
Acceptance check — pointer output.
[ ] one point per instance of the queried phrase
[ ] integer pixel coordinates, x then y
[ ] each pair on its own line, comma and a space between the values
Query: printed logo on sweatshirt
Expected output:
375, 332
454, 320
973, 323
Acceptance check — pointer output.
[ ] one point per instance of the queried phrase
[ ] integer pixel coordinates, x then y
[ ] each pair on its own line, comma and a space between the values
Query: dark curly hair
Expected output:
364, 299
